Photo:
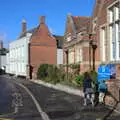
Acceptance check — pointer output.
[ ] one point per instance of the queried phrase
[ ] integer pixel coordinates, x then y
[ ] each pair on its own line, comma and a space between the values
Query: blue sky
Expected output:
13, 11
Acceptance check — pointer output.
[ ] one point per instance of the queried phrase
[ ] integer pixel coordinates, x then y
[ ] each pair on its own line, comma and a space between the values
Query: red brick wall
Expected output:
43, 48
85, 53
100, 11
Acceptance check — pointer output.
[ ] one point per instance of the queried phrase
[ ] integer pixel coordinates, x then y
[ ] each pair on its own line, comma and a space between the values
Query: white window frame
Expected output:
113, 18
103, 43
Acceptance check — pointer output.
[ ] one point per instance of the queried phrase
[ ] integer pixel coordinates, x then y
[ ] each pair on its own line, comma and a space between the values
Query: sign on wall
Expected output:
103, 73
106, 72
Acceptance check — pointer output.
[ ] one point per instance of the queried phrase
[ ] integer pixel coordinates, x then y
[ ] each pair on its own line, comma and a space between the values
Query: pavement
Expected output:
56, 104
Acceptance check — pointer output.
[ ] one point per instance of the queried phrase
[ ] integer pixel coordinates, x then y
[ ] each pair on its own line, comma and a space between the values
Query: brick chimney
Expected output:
1, 44
24, 26
42, 20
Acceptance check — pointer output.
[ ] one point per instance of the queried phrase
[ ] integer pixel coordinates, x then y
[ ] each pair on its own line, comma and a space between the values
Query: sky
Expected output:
12, 12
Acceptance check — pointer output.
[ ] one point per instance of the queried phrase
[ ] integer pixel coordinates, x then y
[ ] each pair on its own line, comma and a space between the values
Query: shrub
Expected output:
93, 75
79, 80
42, 71
50, 73
55, 75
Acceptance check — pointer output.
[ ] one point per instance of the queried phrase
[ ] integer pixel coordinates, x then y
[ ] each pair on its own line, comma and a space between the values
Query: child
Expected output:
102, 88
87, 89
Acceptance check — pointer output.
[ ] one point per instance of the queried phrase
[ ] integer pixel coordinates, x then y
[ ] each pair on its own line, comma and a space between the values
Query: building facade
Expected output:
42, 48
76, 41
3, 62
17, 58
3, 52
59, 41
106, 26
32, 48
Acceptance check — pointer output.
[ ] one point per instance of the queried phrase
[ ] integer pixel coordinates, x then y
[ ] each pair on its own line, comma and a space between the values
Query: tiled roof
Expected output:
29, 31
81, 23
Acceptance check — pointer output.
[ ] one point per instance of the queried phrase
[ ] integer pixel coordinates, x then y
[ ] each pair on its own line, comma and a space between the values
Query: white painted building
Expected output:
59, 56
2, 62
59, 40
17, 58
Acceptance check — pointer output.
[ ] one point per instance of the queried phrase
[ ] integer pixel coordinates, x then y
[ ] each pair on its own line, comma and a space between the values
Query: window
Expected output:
78, 55
71, 56
114, 31
113, 42
81, 56
119, 39
103, 46
111, 15
116, 12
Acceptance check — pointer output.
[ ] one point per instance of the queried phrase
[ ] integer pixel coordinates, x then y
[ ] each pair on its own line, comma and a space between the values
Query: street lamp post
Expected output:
94, 46
90, 45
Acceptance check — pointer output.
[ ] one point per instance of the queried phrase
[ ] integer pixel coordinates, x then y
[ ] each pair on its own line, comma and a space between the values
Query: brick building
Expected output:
32, 48
106, 26
42, 47
76, 41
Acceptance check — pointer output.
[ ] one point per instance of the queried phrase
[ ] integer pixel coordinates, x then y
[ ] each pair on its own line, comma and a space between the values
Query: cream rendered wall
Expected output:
17, 59
59, 56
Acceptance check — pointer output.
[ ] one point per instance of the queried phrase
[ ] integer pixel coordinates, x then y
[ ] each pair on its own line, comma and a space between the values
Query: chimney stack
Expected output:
1, 44
24, 26
42, 20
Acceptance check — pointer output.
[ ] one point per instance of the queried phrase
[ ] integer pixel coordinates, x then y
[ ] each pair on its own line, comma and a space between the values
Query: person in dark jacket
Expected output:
87, 89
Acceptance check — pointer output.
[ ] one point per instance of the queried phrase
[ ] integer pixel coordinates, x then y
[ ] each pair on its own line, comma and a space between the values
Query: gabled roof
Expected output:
81, 23
76, 24
96, 7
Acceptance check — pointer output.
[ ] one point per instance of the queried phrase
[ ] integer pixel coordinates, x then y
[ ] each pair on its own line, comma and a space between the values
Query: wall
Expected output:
43, 49
18, 56
2, 61
59, 56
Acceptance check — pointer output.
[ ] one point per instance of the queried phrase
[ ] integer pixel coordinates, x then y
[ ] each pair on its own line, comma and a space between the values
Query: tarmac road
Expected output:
53, 104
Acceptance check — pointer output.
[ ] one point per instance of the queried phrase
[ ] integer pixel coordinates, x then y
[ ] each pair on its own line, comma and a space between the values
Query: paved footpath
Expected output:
59, 105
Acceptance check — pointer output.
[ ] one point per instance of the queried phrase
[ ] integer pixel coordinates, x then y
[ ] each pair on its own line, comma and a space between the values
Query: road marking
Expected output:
42, 113
17, 101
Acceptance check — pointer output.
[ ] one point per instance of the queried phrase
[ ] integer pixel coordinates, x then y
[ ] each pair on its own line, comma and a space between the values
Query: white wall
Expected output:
7, 63
17, 60
2, 61
59, 56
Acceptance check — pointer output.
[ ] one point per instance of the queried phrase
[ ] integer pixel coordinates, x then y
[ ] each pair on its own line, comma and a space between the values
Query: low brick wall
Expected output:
113, 96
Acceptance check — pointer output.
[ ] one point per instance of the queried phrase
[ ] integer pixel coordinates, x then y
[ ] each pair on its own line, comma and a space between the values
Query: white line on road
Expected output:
42, 113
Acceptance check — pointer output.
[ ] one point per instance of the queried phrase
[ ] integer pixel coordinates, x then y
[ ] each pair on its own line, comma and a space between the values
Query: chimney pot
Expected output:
42, 20
1, 44
24, 26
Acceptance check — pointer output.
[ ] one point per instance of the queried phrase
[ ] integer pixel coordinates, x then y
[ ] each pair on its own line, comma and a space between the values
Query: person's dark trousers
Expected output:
96, 100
